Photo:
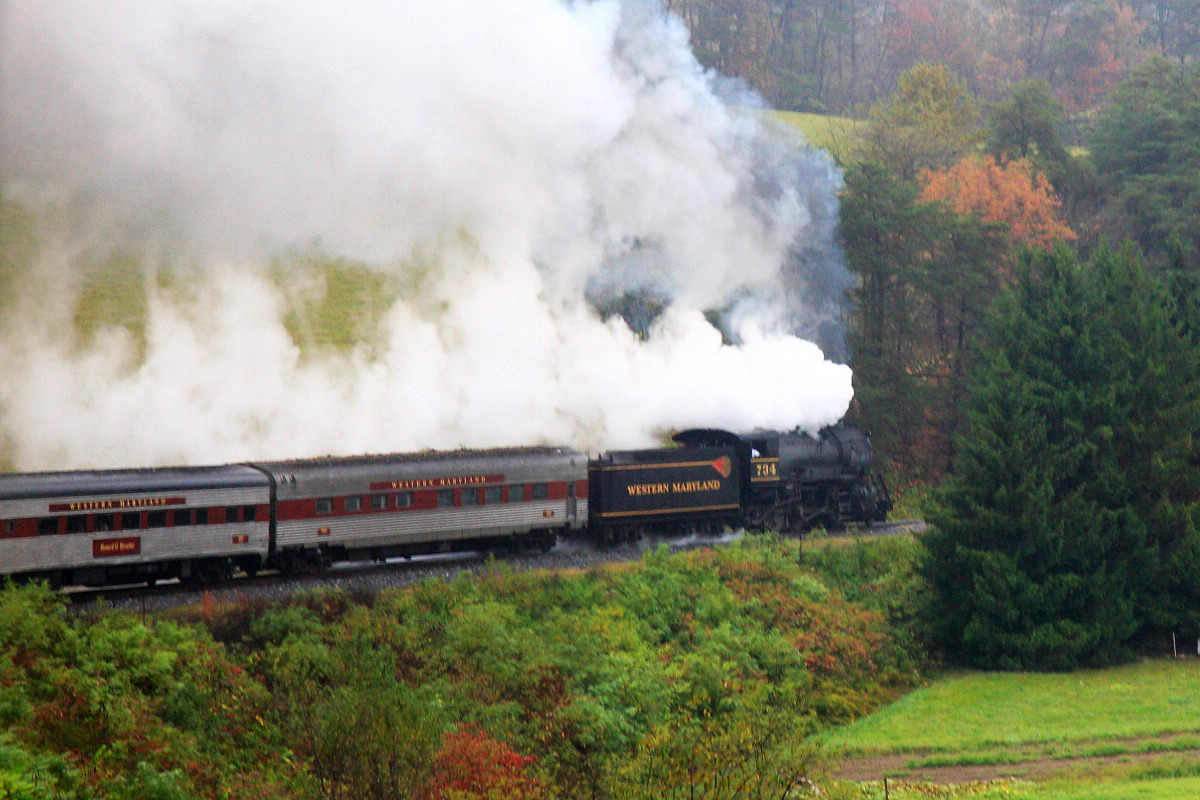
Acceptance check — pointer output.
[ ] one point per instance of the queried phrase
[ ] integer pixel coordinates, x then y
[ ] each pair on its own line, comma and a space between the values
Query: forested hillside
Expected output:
836, 56
698, 674
943, 195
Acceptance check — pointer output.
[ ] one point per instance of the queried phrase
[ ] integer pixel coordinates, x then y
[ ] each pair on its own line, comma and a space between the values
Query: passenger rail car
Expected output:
124, 526
376, 507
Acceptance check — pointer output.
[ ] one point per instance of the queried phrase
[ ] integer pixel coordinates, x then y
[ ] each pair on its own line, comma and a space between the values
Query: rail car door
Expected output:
571, 504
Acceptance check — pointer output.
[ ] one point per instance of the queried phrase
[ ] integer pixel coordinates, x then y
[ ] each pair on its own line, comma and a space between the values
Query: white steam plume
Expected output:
508, 160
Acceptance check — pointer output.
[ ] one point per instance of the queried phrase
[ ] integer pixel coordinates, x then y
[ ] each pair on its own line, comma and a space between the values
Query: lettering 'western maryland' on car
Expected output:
665, 483
107, 505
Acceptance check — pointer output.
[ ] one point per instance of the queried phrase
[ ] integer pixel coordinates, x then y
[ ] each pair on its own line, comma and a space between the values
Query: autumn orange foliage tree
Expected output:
1008, 192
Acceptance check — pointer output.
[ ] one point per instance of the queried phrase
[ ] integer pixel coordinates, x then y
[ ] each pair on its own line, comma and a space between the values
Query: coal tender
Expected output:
665, 491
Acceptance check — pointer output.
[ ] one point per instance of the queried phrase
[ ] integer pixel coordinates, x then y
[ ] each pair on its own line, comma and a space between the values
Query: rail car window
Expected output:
470, 497
249, 513
516, 494
231, 514
379, 502
201, 517
540, 492
102, 523
77, 524
325, 505
404, 500
353, 503
131, 521
445, 498
47, 526
156, 519
183, 516
491, 495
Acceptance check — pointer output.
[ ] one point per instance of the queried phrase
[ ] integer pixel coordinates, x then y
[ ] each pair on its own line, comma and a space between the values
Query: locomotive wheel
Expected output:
756, 518
762, 518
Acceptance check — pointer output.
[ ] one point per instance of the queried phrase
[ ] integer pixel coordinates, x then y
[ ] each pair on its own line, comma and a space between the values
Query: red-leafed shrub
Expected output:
471, 764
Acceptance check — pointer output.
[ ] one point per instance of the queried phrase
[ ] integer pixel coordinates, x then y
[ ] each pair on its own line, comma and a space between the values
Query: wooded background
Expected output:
834, 56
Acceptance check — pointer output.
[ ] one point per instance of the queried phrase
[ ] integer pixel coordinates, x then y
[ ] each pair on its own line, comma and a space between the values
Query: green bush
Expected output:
114, 706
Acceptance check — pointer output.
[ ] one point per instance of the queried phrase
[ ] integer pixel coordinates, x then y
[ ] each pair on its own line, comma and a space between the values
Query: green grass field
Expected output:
1131, 731
838, 135
972, 711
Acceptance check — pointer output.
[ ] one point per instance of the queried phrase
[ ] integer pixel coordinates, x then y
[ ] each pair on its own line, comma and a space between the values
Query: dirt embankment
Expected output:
1023, 763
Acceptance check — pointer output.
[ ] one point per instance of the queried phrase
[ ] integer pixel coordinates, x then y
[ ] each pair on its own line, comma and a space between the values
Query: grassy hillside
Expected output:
1076, 735
835, 134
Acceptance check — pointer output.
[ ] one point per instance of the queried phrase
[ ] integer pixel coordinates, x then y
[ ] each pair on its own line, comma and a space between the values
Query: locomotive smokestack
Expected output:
486, 164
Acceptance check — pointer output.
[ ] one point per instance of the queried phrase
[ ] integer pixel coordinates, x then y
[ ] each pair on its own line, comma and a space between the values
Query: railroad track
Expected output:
889, 528
397, 573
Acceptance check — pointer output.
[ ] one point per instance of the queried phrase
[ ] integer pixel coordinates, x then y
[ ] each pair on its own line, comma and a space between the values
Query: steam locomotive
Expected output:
200, 524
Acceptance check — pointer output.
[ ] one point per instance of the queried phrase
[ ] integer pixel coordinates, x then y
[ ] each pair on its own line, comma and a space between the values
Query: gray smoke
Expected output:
508, 162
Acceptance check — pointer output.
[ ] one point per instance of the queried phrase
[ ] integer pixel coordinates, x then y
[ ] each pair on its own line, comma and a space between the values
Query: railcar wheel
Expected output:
213, 570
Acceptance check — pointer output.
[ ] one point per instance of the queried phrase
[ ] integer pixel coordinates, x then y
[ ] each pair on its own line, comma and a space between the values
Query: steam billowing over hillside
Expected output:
501, 170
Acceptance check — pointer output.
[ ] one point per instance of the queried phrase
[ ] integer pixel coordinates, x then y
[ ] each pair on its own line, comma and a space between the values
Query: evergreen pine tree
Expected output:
1157, 436
885, 234
1145, 145
1032, 547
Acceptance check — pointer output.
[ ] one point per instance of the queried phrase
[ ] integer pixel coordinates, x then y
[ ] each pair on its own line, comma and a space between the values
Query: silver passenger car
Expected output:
375, 507
124, 526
